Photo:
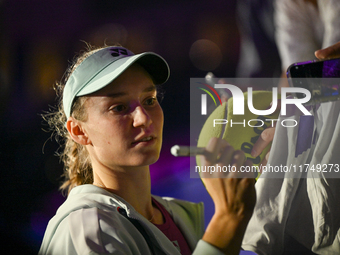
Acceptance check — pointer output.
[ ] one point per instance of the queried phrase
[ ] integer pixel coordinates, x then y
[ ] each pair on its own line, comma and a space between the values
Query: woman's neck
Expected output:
132, 184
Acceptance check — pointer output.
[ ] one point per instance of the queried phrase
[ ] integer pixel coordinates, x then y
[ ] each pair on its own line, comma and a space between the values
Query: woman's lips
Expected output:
146, 140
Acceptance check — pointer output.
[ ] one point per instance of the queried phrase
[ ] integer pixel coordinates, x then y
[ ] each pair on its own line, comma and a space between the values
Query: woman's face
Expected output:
124, 122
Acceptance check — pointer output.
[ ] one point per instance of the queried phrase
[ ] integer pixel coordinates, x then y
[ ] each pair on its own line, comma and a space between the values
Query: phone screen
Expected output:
321, 78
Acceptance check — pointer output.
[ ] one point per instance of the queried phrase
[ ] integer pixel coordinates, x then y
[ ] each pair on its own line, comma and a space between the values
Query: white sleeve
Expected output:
298, 31
329, 13
94, 231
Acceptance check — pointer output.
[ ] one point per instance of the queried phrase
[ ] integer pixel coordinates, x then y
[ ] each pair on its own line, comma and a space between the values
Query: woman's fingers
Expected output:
238, 158
222, 160
213, 148
265, 138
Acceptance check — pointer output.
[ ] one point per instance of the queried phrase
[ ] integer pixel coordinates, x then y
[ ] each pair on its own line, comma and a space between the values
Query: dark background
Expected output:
38, 39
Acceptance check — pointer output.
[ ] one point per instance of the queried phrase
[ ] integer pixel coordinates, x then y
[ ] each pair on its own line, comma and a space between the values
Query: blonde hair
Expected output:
77, 163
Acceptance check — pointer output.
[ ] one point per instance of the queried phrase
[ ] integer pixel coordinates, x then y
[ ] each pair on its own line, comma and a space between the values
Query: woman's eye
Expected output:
151, 101
118, 108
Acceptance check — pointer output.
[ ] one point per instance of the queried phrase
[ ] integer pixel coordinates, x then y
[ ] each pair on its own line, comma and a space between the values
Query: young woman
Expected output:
111, 122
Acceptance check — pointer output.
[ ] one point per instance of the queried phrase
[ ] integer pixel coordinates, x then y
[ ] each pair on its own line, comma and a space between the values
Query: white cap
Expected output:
102, 67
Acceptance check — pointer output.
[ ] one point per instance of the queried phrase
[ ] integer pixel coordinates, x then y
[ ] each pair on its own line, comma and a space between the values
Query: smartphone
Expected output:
321, 78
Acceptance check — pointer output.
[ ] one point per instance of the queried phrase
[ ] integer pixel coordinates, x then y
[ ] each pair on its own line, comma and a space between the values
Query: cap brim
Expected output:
154, 64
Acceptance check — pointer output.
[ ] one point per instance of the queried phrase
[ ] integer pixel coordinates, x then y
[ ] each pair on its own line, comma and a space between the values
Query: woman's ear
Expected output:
77, 132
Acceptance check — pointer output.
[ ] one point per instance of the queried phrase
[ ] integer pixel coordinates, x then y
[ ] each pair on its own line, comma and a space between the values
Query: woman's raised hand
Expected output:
233, 194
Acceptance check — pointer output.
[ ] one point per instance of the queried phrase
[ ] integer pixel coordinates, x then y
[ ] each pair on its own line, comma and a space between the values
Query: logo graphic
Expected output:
204, 98
118, 51
238, 99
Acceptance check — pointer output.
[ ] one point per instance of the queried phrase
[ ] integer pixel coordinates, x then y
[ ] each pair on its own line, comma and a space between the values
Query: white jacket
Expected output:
88, 222
303, 204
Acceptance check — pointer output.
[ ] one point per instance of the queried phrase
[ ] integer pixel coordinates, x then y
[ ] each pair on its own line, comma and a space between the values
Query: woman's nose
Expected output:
141, 117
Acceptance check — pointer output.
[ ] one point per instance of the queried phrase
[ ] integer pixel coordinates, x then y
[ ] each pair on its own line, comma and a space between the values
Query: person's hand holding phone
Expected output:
329, 52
